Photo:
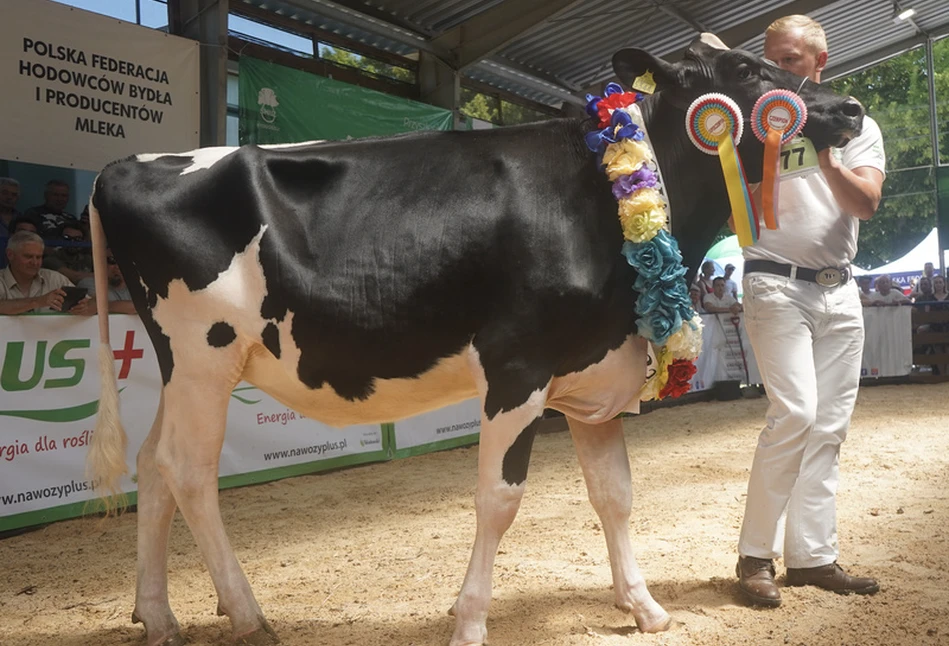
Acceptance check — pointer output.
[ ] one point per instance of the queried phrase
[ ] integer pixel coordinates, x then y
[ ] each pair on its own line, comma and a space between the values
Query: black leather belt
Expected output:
827, 277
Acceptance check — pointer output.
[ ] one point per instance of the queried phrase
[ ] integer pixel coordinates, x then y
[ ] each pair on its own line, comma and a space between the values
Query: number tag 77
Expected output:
798, 158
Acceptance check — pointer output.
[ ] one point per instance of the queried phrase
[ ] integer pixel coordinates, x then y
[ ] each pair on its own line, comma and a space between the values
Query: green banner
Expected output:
278, 104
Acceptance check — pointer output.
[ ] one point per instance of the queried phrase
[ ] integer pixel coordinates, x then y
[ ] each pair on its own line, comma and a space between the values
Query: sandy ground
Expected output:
376, 555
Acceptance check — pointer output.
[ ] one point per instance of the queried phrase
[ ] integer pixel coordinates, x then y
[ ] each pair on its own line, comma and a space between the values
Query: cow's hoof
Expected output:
657, 626
173, 640
263, 636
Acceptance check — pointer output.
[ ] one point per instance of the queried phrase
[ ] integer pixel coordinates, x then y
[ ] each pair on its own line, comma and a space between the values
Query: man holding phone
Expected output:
26, 287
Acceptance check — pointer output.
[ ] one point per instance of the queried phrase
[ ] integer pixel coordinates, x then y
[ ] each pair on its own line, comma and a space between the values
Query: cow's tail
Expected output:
105, 463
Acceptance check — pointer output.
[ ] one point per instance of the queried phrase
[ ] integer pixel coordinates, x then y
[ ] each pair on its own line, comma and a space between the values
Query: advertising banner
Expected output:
283, 105
445, 428
49, 391
81, 89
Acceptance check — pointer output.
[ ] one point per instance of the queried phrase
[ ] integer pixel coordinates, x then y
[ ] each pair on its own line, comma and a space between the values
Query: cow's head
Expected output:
708, 66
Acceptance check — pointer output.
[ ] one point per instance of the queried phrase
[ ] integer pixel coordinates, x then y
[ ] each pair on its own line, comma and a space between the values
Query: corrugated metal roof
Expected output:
573, 49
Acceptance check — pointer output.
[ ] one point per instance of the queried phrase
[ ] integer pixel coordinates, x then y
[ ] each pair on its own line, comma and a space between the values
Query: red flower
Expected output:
612, 102
680, 378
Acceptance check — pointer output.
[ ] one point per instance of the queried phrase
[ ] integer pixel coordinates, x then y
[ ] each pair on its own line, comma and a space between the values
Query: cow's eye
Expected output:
744, 73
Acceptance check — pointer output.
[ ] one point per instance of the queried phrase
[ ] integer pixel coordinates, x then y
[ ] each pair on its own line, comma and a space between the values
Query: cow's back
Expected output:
383, 257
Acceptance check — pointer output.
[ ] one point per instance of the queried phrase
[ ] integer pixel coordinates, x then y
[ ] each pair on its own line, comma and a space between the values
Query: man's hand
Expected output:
52, 300
735, 309
85, 307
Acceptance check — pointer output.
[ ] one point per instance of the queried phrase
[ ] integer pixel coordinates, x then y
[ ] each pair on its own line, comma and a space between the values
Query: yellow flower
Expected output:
642, 215
655, 384
625, 157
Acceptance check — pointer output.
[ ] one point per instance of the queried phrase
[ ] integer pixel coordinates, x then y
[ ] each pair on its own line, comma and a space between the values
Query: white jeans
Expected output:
808, 341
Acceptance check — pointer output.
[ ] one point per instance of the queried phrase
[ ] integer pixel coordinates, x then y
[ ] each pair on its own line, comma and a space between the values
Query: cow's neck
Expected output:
693, 179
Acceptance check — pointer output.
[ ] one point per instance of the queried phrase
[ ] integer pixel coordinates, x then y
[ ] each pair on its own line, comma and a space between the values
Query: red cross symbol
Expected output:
126, 354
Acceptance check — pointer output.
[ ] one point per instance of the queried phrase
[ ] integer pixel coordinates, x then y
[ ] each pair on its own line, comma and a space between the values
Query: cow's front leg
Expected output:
503, 457
602, 452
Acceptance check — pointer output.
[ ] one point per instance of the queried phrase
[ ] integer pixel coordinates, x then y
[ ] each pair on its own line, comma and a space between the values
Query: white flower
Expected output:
687, 342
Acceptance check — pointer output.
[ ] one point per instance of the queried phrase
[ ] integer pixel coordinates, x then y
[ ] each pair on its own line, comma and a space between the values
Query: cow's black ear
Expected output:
628, 64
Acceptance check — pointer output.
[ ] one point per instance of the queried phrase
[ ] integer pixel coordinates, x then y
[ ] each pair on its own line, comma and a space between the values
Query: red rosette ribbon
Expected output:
613, 102
681, 372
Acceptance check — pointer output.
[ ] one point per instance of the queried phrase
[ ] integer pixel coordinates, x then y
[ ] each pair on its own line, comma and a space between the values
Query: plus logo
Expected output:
127, 354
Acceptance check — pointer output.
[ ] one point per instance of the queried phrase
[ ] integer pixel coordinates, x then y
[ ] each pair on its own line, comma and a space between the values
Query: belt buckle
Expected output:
831, 276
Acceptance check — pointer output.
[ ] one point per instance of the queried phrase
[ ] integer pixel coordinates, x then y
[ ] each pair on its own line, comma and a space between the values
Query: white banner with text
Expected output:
81, 89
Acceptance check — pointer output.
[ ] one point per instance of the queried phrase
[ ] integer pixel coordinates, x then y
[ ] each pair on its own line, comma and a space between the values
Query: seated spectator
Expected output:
865, 293
71, 260
26, 287
695, 293
25, 223
924, 291
939, 288
719, 302
52, 214
885, 294
120, 301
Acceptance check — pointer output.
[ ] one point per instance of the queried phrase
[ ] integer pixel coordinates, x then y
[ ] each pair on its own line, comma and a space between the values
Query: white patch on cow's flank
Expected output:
201, 158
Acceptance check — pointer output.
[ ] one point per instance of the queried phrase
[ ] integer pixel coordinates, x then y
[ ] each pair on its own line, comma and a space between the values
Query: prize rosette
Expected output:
714, 123
777, 117
711, 118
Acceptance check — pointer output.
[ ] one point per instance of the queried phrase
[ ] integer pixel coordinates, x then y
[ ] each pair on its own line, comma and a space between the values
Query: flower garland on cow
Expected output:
666, 318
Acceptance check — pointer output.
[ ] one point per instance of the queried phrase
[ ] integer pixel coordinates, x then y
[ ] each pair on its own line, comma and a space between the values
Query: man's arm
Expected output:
17, 306
857, 191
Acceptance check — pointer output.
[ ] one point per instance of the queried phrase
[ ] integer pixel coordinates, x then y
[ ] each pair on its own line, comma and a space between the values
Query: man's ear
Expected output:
631, 63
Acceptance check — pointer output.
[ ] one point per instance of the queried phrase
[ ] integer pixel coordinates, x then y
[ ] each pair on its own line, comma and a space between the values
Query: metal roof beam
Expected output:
745, 31
845, 68
489, 31
683, 16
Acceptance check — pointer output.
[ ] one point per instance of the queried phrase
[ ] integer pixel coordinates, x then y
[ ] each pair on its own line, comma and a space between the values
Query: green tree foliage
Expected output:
364, 64
896, 95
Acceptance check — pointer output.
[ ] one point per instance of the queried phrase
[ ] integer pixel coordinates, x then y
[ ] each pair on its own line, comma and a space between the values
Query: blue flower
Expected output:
621, 127
660, 324
612, 88
592, 101
668, 247
645, 257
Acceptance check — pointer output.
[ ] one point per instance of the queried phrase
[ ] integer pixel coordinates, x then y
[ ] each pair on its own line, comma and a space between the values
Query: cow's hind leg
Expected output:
601, 450
156, 510
189, 450
503, 456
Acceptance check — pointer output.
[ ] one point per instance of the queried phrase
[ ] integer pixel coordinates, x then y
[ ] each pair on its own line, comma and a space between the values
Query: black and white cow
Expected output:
371, 280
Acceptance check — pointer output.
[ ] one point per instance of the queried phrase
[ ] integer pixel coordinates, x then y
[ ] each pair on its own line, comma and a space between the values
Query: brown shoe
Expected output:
756, 580
832, 577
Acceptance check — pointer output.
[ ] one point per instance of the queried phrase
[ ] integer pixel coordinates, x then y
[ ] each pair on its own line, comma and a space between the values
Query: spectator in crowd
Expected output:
52, 214
695, 293
26, 287
924, 291
939, 288
71, 260
9, 194
731, 287
719, 301
120, 301
704, 280
865, 283
25, 223
928, 270
885, 294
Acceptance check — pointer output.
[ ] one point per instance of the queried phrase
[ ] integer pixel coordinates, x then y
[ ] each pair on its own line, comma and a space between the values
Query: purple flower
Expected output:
628, 184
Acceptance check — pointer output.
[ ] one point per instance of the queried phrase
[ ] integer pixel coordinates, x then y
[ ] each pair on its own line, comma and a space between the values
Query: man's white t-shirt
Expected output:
813, 231
711, 300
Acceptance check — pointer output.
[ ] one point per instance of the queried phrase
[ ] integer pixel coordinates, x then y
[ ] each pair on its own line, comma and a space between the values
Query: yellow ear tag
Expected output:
645, 83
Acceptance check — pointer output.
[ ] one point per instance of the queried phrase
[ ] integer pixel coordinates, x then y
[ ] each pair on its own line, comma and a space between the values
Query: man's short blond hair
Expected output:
810, 29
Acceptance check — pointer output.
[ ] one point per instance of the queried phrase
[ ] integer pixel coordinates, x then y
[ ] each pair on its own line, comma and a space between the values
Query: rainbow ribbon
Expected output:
714, 124
776, 118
